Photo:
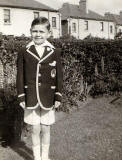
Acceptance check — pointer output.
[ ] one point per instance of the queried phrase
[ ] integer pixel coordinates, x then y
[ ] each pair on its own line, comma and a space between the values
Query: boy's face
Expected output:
39, 34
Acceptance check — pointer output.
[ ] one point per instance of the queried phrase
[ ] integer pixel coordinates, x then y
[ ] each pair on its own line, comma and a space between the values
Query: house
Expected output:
16, 17
117, 19
80, 22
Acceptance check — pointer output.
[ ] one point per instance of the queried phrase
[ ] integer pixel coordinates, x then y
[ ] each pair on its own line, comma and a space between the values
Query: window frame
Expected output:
111, 29
86, 25
54, 24
8, 15
102, 26
74, 27
35, 12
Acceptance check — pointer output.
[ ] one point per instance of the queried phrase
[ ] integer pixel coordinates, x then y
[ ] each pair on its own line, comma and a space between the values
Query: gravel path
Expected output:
94, 132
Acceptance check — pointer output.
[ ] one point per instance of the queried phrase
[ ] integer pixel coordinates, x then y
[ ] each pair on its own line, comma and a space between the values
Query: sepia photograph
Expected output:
60, 80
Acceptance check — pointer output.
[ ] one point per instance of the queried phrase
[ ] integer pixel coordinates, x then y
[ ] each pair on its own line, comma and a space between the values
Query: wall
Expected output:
21, 20
94, 28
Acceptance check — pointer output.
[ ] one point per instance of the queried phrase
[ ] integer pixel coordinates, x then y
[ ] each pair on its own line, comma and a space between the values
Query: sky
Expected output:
99, 6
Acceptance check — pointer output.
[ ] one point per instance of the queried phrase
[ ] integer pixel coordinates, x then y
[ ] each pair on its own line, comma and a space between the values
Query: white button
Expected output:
39, 74
39, 84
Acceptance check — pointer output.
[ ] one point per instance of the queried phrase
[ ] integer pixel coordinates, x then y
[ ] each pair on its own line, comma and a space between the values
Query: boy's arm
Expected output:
59, 77
20, 77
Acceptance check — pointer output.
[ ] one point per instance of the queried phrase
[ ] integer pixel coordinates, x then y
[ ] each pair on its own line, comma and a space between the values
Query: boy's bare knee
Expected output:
36, 129
45, 129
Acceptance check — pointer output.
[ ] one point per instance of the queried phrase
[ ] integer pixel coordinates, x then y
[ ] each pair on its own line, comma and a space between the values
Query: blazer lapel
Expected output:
32, 50
47, 52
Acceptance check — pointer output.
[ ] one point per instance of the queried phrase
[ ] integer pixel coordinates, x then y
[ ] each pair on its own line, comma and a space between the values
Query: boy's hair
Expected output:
41, 20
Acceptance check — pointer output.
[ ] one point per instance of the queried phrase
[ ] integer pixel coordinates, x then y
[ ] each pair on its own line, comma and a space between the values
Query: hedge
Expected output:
96, 63
88, 66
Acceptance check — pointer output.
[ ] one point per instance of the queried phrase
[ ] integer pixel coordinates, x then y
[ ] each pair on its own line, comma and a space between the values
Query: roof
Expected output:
26, 4
70, 10
114, 17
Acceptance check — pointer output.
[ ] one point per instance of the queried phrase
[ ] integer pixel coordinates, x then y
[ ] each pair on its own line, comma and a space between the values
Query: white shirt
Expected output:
40, 50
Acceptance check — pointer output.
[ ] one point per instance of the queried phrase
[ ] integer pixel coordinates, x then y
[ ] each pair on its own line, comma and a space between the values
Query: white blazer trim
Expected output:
53, 63
37, 91
52, 50
30, 44
53, 87
58, 93
33, 54
21, 95
49, 54
34, 107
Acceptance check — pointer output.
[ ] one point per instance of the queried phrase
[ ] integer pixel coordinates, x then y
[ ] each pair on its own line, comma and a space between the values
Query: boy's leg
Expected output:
45, 141
36, 141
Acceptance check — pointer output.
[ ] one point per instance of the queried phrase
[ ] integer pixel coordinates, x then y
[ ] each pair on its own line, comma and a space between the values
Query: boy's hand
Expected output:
57, 104
22, 104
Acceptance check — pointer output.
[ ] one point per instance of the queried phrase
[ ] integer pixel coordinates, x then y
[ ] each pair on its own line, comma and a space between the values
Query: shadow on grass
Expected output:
22, 150
8, 138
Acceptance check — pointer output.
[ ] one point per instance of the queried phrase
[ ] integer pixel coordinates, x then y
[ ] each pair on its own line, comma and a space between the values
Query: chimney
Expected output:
83, 6
121, 14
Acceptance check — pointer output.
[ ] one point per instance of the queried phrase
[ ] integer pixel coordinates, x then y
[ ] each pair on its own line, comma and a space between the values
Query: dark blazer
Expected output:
39, 80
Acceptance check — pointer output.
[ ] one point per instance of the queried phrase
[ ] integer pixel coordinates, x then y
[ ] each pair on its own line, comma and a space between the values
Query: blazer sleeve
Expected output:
59, 76
20, 76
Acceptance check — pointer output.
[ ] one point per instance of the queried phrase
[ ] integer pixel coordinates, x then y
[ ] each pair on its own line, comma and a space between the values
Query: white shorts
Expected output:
39, 116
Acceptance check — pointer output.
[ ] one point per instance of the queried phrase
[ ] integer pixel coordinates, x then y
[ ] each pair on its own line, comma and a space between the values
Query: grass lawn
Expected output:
93, 132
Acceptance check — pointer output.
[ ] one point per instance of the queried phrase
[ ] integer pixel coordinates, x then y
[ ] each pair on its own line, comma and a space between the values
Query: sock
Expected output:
36, 152
45, 151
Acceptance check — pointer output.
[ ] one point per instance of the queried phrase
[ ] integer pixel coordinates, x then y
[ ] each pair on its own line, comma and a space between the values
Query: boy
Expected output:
39, 83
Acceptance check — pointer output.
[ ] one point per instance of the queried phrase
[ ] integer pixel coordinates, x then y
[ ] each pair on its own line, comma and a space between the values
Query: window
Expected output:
7, 19
74, 27
36, 15
102, 26
111, 29
86, 25
53, 21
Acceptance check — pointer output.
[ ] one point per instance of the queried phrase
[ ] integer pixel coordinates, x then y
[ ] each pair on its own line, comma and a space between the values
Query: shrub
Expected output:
85, 63
79, 59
